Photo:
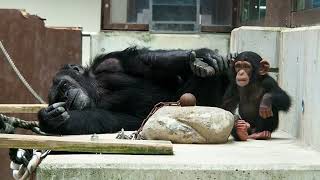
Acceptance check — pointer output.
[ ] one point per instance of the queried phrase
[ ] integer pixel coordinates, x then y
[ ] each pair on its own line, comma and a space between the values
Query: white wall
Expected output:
263, 40
300, 64
296, 52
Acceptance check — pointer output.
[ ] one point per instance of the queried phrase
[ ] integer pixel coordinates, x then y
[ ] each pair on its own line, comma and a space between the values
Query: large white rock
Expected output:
191, 124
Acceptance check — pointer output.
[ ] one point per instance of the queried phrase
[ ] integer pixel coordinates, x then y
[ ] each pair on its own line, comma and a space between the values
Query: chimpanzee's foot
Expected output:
242, 129
243, 135
264, 135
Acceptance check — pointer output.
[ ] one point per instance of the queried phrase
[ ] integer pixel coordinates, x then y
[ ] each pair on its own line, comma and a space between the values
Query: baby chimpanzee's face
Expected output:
243, 71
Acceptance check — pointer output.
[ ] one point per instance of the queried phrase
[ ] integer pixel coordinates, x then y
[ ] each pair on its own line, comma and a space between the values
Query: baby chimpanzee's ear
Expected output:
264, 67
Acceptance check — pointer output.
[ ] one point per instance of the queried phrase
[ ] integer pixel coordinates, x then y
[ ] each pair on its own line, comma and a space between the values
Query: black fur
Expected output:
252, 95
119, 89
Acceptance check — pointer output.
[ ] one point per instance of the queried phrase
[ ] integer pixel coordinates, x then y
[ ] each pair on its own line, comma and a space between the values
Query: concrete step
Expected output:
279, 158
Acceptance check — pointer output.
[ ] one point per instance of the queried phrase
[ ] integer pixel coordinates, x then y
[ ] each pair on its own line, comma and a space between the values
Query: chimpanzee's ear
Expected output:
264, 67
108, 65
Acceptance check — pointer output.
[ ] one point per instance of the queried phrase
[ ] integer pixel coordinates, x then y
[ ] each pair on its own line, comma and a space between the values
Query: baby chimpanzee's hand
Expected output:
265, 109
242, 129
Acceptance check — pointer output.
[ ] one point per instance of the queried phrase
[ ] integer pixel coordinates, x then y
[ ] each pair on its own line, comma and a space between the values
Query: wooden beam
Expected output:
85, 143
21, 108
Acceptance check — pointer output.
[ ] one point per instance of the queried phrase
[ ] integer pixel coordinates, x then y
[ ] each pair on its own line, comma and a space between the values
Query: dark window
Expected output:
129, 11
278, 13
216, 12
168, 15
174, 15
306, 4
316, 3
138, 11
125, 14
305, 13
253, 10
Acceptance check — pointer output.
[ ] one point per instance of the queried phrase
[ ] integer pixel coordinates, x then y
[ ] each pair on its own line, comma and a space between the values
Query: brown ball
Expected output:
188, 99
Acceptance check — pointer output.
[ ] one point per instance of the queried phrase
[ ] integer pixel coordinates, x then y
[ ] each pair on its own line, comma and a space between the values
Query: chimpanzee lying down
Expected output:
119, 89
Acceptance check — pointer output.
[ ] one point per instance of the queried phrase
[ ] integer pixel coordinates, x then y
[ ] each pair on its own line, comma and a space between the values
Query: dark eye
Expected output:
78, 69
63, 86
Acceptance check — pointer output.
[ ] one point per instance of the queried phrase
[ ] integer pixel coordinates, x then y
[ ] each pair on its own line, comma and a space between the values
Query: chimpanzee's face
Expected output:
243, 70
68, 87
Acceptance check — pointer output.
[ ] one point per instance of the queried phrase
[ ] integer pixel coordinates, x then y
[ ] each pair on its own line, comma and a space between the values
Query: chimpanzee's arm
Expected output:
160, 65
144, 62
275, 95
59, 121
201, 62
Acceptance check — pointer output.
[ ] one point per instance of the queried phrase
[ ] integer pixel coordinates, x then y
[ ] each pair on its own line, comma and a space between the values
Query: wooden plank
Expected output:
21, 108
84, 143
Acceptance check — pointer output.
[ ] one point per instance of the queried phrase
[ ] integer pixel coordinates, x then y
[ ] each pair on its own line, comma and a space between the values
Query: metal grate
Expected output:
174, 16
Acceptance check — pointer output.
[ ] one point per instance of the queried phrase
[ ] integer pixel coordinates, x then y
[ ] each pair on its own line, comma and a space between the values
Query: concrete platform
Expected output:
279, 158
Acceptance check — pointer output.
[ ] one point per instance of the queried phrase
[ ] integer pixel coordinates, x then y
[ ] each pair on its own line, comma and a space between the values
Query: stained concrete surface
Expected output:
279, 158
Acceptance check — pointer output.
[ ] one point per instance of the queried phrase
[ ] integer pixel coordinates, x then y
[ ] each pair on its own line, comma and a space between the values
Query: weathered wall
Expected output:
63, 13
38, 52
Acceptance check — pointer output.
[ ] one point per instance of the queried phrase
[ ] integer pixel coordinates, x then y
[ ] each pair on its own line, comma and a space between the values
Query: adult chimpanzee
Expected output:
120, 88
257, 96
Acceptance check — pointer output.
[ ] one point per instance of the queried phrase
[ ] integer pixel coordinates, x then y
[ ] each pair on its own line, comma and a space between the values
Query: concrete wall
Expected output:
119, 40
263, 40
300, 68
297, 54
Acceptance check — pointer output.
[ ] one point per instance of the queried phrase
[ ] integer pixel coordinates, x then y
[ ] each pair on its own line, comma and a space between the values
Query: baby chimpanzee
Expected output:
257, 97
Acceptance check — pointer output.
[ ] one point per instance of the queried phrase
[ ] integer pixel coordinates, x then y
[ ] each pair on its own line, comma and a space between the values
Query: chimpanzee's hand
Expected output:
242, 129
265, 109
201, 69
242, 125
208, 63
52, 116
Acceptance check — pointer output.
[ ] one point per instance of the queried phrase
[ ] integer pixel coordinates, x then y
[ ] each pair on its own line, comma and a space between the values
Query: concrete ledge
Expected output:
279, 158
